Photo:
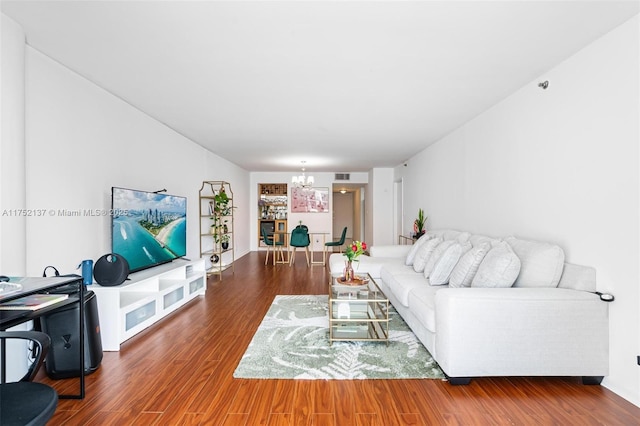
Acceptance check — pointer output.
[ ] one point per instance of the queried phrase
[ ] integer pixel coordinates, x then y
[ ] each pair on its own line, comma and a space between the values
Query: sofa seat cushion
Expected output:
542, 263
422, 305
390, 269
402, 284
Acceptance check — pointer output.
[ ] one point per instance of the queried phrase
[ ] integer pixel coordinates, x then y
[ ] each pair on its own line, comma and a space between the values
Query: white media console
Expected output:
146, 297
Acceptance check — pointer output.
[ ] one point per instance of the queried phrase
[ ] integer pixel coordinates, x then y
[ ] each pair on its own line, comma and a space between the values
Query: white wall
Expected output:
559, 165
12, 152
81, 141
380, 227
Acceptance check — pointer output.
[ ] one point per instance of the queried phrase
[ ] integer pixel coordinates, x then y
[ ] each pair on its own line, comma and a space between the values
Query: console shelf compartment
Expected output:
145, 298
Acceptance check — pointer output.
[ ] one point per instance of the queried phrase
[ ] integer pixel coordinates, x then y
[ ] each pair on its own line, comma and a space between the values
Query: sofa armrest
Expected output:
521, 332
396, 250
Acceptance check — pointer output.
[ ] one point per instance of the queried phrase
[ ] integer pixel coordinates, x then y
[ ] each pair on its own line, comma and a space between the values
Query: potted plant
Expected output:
419, 223
221, 206
225, 241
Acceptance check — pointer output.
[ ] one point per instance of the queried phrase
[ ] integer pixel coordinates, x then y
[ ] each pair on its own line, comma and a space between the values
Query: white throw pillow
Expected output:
414, 249
467, 266
499, 268
436, 255
424, 253
441, 271
542, 263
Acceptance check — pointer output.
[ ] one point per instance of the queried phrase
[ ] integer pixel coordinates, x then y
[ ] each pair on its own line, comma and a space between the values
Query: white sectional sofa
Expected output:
494, 307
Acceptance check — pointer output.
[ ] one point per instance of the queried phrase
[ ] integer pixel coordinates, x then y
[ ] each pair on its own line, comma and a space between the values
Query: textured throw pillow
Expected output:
442, 268
414, 249
499, 268
542, 263
436, 255
424, 253
467, 266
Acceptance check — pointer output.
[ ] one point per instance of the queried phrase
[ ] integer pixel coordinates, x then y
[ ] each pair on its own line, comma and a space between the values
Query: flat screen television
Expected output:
148, 228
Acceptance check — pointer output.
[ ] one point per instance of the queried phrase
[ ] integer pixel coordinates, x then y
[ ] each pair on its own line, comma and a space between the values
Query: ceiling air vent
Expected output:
343, 176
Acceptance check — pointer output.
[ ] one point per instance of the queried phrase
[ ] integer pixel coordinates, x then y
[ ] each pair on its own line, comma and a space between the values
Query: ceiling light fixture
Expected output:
302, 181
343, 191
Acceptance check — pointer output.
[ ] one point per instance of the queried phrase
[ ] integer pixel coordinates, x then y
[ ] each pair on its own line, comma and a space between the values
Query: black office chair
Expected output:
25, 402
274, 245
332, 244
299, 238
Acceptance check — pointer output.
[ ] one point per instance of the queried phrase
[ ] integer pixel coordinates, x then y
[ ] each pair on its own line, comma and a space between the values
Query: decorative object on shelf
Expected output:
418, 224
302, 181
352, 253
264, 209
214, 258
225, 241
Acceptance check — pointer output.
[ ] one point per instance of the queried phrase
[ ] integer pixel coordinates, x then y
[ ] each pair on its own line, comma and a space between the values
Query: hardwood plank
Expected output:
263, 401
180, 371
280, 419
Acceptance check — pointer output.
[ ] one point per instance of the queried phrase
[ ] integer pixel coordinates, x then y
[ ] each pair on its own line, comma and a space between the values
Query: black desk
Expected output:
10, 318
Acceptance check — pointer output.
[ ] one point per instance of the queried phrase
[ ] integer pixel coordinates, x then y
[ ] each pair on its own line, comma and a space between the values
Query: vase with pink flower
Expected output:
352, 253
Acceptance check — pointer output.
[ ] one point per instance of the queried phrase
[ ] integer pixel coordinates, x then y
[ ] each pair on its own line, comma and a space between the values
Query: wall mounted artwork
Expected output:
310, 200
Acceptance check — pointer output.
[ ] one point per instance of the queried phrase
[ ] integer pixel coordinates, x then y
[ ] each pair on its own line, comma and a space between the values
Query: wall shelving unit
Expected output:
216, 227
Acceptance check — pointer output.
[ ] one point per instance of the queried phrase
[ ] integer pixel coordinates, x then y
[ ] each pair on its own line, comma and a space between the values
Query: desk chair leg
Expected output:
306, 252
266, 258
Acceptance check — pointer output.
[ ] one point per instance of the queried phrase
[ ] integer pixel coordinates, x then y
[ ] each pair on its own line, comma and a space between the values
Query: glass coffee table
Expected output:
358, 312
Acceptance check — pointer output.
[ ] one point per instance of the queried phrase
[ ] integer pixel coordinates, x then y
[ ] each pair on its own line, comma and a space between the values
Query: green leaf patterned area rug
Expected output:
292, 342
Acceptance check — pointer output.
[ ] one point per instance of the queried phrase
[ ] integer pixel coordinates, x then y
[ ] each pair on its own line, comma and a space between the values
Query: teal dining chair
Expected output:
332, 244
299, 238
273, 245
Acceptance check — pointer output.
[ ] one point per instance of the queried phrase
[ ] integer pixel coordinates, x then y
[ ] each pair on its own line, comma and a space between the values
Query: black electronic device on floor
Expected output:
62, 326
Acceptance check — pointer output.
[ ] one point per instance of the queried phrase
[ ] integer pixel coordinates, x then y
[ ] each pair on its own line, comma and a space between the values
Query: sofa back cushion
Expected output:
499, 268
467, 266
415, 247
476, 240
578, 277
542, 263
424, 253
446, 234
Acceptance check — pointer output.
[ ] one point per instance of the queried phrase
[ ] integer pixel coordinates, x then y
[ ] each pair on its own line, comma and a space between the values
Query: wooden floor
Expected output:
180, 371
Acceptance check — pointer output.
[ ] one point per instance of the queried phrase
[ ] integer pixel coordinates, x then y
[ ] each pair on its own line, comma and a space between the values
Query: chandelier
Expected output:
302, 181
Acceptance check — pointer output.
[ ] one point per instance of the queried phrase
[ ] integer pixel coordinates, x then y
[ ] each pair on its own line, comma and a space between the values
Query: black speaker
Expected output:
111, 270
63, 359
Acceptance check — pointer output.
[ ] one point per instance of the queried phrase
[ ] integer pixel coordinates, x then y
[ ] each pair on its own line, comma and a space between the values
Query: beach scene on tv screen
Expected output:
148, 228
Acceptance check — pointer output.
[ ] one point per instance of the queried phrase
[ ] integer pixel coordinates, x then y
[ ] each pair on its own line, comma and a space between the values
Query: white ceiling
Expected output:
343, 85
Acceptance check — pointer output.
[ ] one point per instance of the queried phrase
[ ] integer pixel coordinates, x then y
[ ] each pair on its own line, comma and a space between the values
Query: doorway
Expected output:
348, 210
